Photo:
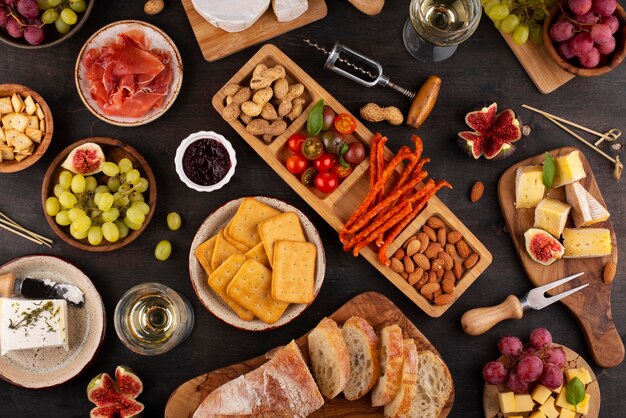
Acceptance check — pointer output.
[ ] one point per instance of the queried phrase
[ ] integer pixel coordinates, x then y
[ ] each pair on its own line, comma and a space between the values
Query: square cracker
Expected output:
293, 279
223, 250
221, 278
258, 253
204, 253
252, 287
239, 245
244, 226
284, 227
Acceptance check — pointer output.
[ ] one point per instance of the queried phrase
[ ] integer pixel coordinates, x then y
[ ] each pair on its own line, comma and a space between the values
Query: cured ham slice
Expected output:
127, 77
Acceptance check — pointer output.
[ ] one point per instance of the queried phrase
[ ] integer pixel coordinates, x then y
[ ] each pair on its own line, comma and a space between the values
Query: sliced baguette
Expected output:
391, 358
433, 388
329, 357
401, 404
363, 346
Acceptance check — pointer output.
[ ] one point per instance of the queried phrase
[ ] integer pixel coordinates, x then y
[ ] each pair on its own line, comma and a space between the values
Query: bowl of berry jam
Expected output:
205, 161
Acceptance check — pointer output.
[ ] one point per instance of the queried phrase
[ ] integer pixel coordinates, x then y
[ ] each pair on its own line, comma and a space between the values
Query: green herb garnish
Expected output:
344, 148
575, 392
30, 318
315, 120
549, 170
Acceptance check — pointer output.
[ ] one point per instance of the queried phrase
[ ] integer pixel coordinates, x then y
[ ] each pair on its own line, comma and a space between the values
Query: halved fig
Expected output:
543, 247
86, 159
115, 399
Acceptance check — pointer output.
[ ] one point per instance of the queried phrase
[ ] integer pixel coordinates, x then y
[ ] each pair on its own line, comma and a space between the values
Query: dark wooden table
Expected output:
483, 69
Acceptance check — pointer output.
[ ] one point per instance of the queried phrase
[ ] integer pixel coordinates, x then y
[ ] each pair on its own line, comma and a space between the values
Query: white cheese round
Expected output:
231, 15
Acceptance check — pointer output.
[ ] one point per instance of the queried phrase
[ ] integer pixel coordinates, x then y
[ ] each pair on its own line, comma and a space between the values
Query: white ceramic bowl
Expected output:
180, 152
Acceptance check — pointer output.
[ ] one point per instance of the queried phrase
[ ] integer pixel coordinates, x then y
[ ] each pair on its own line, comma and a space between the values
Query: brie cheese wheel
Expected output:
287, 10
231, 15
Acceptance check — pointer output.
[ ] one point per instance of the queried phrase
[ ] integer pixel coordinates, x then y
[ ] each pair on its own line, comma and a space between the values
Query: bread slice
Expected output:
434, 385
329, 357
401, 404
282, 387
363, 346
391, 358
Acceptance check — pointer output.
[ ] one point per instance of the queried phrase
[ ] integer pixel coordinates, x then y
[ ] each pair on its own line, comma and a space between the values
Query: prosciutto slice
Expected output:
126, 76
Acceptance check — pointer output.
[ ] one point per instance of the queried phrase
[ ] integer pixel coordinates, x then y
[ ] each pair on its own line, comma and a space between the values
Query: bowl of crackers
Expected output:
257, 263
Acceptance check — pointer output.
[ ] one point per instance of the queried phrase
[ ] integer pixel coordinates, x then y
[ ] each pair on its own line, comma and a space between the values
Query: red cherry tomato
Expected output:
324, 162
296, 164
295, 143
341, 171
326, 182
345, 123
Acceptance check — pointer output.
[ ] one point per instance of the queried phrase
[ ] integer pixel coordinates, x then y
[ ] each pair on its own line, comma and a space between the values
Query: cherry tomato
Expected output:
326, 182
312, 148
295, 143
345, 123
341, 171
308, 176
296, 164
324, 162
355, 153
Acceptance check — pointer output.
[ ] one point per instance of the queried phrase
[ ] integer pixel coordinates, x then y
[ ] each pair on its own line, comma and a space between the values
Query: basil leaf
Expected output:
575, 392
315, 120
549, 170
342, 151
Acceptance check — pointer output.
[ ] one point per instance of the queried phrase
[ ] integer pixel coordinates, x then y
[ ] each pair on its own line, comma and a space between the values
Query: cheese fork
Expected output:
480, 320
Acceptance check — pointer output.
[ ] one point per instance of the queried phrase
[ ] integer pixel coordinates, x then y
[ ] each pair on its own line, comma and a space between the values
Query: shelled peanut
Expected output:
434, 261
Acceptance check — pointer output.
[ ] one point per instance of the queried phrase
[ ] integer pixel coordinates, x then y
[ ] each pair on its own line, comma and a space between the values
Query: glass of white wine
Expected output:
436, 27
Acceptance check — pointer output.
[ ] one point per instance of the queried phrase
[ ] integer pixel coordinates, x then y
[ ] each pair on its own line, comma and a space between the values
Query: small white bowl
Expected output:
180, 152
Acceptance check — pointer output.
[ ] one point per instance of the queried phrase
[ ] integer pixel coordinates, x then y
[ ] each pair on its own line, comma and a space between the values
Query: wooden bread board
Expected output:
337, 207
216, 43
372, 306
591, 306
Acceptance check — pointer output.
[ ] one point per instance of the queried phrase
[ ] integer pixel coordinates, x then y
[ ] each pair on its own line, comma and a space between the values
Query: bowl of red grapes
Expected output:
41, 23
586, 37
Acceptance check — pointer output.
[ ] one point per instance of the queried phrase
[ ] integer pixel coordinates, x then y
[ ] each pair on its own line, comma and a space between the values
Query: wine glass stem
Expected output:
423, 50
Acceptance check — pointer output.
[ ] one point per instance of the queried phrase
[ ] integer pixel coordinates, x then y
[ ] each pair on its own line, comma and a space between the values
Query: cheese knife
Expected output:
32, 288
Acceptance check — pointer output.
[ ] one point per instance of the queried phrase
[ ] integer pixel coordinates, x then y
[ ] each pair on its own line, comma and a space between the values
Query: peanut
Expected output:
233, 108
258, 70
231, 89
268, 112
372, 112
263, 127
245, 118
153, 7
281, 87
266, 77
297, 106
259, 99
285, 106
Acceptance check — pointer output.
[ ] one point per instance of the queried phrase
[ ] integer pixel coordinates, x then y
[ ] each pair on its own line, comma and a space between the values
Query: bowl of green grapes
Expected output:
99, 194
33, 24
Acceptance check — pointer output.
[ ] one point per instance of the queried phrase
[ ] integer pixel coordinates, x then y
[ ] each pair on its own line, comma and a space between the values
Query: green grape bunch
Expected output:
523, 19
61, 12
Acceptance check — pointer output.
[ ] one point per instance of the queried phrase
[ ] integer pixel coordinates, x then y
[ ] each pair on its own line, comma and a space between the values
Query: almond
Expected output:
413, 247
445, 299
421, 282
450, 249
477, 191
441, 236
429, 297
432, 250
408, 241
432, 235
449, 275
436, 265
463, 249
448, 262
405, 275
448, 285
470, 261
399, 254
457, 269
438, 293
397, 266
409, 266
429, 288
454, 237
421, 261
609, 272
416, 276
440, 273
435, 222
432, 277
424, 241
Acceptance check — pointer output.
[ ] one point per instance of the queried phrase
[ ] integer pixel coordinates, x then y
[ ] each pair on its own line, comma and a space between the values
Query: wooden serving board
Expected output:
491, 405
216, 43
337, 207
372, 306
591, 306
541, 68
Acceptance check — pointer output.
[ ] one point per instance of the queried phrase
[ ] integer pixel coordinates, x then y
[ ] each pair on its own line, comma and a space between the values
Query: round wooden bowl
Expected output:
114, 150
571, 66
40, 149
53, 37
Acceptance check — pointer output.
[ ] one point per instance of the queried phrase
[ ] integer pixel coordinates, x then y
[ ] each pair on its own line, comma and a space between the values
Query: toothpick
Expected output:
11, 223
25, 236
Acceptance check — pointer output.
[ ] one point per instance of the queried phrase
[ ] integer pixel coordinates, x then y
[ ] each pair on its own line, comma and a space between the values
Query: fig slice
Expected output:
543, 247
115, 399
86, 159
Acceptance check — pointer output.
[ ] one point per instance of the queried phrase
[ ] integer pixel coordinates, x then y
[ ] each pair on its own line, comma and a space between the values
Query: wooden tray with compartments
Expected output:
339, 205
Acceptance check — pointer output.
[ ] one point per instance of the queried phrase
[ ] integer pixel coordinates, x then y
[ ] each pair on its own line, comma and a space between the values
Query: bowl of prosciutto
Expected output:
129, 73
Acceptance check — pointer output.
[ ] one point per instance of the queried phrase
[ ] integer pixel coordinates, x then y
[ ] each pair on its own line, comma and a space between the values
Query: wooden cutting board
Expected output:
374, 307
591, 306
216, 43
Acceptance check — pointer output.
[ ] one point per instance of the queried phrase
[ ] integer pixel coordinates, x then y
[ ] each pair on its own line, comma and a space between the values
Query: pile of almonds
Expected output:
434, 260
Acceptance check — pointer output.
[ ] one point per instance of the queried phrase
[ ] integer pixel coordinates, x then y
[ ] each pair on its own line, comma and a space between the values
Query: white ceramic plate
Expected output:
219, 219
47, 367
158, 40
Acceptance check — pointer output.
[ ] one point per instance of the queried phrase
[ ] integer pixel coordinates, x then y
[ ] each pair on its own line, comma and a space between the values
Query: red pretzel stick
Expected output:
380, 161
404, 210
419, 147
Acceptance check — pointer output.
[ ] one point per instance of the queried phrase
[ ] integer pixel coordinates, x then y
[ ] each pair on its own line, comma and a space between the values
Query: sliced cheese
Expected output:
586, 242
569, 168
586, 210
529, 188
507, 402
582, 374
524, 403
231, 15
548, 408
551, 216
581, 408
287, 10
540, 394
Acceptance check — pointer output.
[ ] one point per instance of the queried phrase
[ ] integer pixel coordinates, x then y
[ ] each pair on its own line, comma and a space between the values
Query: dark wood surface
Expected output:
483, 69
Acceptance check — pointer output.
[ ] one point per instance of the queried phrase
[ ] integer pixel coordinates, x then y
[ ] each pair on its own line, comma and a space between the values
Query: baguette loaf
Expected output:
401, 404
391, 358
329, 358
282, 387
433, 388
363, 346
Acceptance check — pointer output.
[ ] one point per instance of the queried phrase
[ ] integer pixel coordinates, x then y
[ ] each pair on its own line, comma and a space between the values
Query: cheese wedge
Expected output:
548, 408
540, 394
551, 216
586, 242
287, 10
529, 188
586, 210
231, 15
569, 168
582, 374
566, 413
524, 403
507, 402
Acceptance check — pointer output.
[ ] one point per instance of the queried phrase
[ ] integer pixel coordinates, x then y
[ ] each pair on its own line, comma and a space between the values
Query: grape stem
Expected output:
11, 12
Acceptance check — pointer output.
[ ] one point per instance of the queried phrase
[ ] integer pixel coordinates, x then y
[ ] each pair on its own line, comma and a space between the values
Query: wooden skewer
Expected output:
10, 221
36, 241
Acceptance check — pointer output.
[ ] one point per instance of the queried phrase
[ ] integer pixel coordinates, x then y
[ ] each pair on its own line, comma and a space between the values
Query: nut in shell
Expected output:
153, 7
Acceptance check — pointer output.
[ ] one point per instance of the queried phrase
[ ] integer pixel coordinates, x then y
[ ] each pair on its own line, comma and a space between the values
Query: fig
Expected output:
543, 247
86, 159
115, 399
493, 133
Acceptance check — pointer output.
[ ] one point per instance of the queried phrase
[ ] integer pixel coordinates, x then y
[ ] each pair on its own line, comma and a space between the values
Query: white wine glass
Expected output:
436, 27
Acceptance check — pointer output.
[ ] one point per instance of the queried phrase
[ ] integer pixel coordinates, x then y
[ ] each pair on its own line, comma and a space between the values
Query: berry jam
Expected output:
206, 162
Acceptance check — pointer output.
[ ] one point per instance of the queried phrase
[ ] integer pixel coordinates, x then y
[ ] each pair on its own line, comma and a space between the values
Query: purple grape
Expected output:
611, 21
510, 346
28, 8
590, 59
36, 21
551, 377
561, 31
11, 2
588, 18
607, 47
564, 51
600, 33
604, 7
494, 373
529, 369
555, 356
581, 44
33, 35
3, 16
540, 338
515, 383
579, 7
14, 28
